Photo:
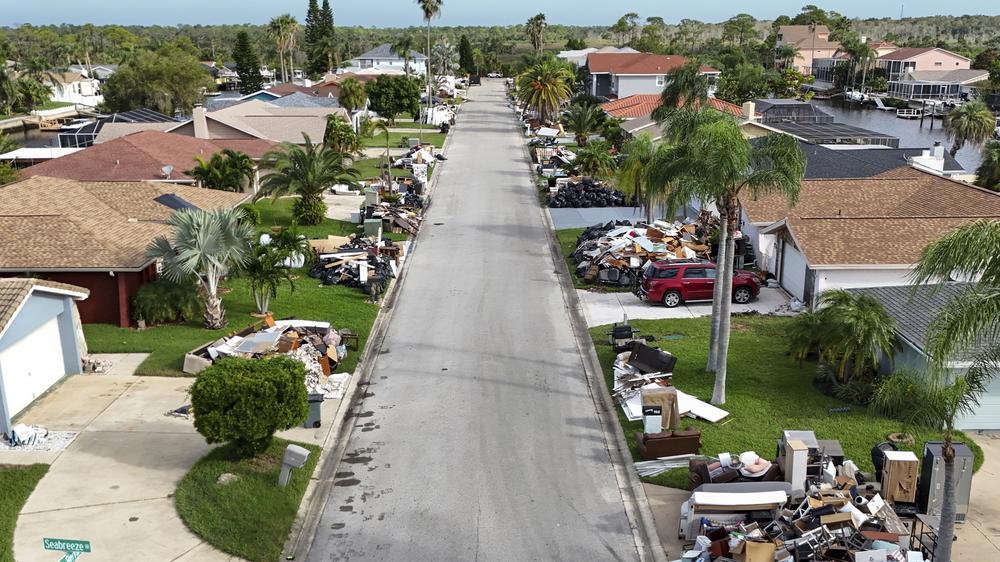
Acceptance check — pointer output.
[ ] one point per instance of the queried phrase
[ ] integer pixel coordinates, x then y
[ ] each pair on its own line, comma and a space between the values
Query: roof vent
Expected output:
167, 170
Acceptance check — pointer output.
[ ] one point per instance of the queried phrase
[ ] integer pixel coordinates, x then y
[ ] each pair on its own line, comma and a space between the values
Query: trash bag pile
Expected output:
356, 264
588, 193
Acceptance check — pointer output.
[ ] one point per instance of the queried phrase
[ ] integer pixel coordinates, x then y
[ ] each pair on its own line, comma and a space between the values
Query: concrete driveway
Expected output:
979, 537
607, 308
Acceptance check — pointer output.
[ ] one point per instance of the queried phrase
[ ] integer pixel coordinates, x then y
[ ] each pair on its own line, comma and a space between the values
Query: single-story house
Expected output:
620, 75
220, 100
914, 309
93, 234
383, 56
937, 84
143, 156
261, 120
637, 110
900, 61
73, 87
40, 341
115, 125
860, 232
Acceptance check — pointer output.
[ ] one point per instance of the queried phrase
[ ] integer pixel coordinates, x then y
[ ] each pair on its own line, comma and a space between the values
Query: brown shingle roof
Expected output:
53, 223
634, 63
802, 37
13, 291
910, 52
887, 219
140, 156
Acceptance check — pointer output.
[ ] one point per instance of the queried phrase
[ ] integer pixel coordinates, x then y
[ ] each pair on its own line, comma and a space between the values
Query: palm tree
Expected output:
430, 10
710, 159
535, 30
971, 123
306, 171
382, 127
544, 86
634, 171
688, 87
403, 46
228, 170
204, 245
32, 93
282, 31
340, 136
595, 161
328, 46
857, 331
352, 96
445, 59
988, 173
581, 120
265, 272
969, 324
10, 95
786, 54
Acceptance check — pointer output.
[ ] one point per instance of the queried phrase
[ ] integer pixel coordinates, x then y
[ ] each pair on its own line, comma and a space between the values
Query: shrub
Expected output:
245, 401
251, 213
308, 210
164, 301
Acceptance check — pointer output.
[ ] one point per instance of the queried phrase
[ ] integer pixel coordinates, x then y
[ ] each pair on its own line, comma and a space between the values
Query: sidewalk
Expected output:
114, 485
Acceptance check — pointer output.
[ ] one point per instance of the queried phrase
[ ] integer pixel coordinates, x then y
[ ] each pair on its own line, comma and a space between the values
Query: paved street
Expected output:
478, 438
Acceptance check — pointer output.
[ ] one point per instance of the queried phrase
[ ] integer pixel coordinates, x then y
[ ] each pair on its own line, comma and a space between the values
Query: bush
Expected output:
309, 211
245, 401
164, 301
251, 213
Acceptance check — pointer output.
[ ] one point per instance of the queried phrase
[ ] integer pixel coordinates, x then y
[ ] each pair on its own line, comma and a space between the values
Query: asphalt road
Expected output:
478, 438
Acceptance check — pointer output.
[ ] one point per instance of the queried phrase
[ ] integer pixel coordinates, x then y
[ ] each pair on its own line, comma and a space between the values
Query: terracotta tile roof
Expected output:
140, 156
887, 219
633, 63
13, 291
642, 105
56, 223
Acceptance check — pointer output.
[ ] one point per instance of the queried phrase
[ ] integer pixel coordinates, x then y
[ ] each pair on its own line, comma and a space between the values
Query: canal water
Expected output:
35, 138
909, 132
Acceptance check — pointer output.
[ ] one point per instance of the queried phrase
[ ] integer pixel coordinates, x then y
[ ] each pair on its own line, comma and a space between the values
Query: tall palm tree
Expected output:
988, 173
544, 87
711, 159
535, 30
581, 120
403, 46
634, 172
971, 123
430, 9
306, 171
352, 96
969, 324
687, 87
204, 245
281, 30
595, 161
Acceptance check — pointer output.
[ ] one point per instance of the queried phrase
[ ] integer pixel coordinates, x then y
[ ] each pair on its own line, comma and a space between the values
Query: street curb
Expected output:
314, 500
640, 516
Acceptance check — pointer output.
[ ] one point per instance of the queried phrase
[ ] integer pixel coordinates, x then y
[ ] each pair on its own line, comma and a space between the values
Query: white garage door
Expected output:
987, 415
793, 271
31, 366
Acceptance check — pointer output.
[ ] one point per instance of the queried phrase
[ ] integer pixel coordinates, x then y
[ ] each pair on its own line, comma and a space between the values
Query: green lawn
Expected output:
251, 517
378, 141
53, 105
766, 393
567, 242
413, 125
16, 484
343, 307
371, 168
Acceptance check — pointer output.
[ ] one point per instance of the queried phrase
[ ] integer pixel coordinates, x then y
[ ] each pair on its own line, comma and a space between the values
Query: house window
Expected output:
661, 80
938, 63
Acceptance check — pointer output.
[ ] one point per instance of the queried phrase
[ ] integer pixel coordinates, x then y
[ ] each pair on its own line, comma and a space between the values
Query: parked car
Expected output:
495, 75
673, 282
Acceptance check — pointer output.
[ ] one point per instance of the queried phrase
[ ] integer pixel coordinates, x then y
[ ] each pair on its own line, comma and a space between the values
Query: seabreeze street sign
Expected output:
66, 545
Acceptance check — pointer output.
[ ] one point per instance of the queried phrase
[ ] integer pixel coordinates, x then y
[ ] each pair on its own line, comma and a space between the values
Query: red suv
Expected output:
675, 281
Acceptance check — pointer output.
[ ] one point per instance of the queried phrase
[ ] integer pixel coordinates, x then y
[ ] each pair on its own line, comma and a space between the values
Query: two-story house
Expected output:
811, 43
73, 87
384, 57
619, 75
928, 73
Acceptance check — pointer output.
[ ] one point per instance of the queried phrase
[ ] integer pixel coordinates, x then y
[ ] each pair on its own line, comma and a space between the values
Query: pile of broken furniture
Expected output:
316, 344
616, 252
361, 262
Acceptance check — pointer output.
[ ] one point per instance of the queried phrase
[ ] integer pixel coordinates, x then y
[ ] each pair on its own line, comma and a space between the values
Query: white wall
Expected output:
827, 279
86, 92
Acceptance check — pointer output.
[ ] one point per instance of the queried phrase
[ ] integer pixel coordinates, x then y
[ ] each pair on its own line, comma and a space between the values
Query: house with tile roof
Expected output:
93, 234
859, 232
619, 75
40, 341
812, 43
143, 156
637, 111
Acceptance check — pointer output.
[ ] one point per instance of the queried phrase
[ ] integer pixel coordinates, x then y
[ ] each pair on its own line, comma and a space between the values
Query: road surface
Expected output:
478, 438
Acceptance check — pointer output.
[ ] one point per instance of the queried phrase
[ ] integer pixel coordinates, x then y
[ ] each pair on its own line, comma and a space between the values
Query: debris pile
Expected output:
23, 437
360, 262
93, 364
588, 193
615, 253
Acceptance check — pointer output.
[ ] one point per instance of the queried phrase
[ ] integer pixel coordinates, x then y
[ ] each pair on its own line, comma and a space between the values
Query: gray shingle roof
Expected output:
914, 308
300, 99
825, 163
384, 51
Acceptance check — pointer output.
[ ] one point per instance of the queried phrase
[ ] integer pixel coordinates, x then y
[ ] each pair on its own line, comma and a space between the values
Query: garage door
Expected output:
793, 271
987, 415
31, 366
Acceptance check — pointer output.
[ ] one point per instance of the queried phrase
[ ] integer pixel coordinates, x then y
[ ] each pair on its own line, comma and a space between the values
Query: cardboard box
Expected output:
837, 520
899, 476
754, 551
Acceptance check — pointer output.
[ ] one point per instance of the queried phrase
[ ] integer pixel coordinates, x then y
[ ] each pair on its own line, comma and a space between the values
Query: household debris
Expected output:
25, 437
360, 262
588, 193
92, 364
616, 253
315, 344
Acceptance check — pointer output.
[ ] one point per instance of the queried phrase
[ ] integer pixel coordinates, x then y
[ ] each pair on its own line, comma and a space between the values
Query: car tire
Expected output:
742, 295
671, 299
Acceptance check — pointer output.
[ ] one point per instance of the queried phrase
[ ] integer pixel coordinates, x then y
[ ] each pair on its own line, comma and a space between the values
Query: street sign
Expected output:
66, 545
71, 547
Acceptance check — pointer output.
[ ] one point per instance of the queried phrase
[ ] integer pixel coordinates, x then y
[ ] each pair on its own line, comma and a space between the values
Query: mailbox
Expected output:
295, 457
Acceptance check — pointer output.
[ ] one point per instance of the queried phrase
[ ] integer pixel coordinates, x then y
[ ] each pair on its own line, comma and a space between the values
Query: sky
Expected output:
401, 13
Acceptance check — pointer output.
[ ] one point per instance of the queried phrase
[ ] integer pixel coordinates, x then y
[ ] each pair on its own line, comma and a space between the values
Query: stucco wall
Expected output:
940, 60
827, 279
632, 85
